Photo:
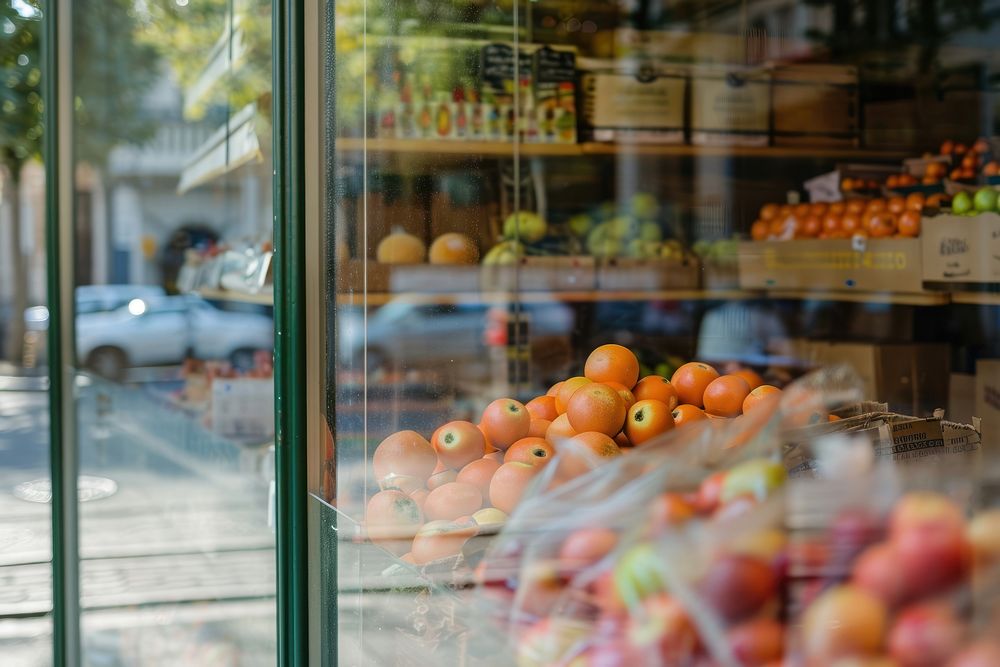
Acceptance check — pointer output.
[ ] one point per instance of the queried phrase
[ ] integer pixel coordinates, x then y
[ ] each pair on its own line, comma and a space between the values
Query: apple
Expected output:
757, 642
489, 516
404, 483
586, 546
525, 226
661, 627
925, 635
441, 478
540, 586
877, 571
932, 560
983, 534
844, 621
639, 574
923, 509
757, 478
669, 509
550, 641
985, 199
852, 530
961, 203
453, 500
738, 585
604, 591
710, 492
391, 519
981, 654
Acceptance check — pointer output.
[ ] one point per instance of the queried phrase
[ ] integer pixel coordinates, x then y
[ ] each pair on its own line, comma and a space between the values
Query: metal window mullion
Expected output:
58, 157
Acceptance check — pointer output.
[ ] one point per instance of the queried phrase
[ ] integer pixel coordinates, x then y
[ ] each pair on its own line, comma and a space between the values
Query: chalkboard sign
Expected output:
552, 66
498, 65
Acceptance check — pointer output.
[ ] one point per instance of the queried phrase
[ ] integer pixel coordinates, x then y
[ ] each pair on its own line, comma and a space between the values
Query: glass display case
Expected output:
625, 238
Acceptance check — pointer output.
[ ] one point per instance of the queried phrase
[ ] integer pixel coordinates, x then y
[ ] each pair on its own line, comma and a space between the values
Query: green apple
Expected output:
642, 249
607, 248
623, 227
961, 203
639, 574
580, 225
650, 231
756, 477
596, 237
985, 200
644, 205
525, 226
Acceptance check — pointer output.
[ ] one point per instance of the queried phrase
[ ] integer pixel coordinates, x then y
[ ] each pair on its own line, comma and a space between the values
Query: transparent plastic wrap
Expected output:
672, 554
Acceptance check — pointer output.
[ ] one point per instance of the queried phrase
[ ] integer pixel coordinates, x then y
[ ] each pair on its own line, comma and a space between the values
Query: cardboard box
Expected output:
433, 278
988, 400
960, 249
647, 274
911, 379
815, 105
902, 438
542, 274
633, 100
881, 265
730, 106
961, 398
719, 275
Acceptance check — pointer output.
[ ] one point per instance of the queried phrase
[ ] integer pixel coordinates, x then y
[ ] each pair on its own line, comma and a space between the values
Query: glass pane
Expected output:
174, 330
662, 240
25, 546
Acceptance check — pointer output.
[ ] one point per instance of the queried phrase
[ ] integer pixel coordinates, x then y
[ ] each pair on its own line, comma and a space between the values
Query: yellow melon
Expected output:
400, 247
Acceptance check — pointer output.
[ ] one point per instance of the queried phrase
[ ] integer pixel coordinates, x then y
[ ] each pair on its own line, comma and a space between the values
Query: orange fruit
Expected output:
935, 200
542, 407
596, 407
915, 201
624, 392
850, 223
724, 396
420, 495
881, 225
801, 210
690, 381
855, 206
876, 205
567, 390
759, 230
585, 546
439, 539
896, 205
947, 147
832, 223
758, 395
658, 388
458, 443
751, 376
452, 500
536, 451
505, 421
622, 440
687, 414
442, 475
669, 509
453, 248
768, 211
581, 453
612, 363
392, 518
833, 418
509, 484
818, 208
813, 226
479, 474
648, 419
559, 429
909, 223
554, 389
405, 453
538, 428
837, 208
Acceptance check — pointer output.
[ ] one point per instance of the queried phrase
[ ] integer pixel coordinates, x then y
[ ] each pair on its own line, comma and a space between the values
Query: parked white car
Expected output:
166, 330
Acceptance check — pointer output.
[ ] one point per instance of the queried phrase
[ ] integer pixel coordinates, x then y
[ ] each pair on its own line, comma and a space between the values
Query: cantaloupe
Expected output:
454, 248
400, 247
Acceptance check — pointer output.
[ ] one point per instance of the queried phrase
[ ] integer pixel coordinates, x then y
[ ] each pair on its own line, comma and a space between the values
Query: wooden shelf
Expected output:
583, 296
900, 298
432, 149
976, 298
264, 298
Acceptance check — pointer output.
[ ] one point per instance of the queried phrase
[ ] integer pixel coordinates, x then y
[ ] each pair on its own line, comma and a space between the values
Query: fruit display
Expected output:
632, 230
667, 557
436, 490
897, 217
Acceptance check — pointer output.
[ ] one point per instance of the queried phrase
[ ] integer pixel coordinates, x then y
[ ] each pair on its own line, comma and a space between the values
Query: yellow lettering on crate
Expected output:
824, 260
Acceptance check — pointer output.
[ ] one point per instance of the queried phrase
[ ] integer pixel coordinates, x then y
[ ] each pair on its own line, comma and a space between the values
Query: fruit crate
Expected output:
621, 274
856, 265
540, 274
720, 275
961, 249
401, 278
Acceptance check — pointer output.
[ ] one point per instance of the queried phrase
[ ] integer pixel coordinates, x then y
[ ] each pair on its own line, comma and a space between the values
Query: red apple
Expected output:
710, 492
757, 642
925, 635
737, 586
924, 510
933, 558
980, 654
851, 531
540, 587
586, 546
662, 628
877, 571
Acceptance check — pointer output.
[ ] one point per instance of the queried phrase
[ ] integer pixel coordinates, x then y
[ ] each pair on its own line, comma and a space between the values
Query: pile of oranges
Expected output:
437, 493
871, 218
967, 160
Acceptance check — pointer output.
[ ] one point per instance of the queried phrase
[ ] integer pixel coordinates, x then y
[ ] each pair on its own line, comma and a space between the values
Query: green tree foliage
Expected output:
20, 76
